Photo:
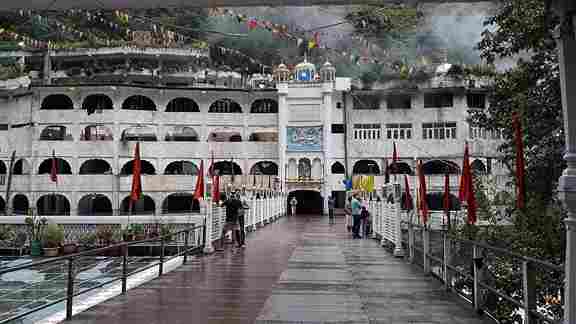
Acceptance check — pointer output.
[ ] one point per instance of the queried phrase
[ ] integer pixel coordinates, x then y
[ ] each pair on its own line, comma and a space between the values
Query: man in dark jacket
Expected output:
232, 206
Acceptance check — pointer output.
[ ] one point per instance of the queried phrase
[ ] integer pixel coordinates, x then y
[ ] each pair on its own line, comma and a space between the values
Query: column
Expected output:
327, 141
283, 116
47, 68
567, 183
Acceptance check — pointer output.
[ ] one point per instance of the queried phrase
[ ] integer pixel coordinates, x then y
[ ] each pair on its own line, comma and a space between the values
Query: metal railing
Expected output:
532, 293
65, 286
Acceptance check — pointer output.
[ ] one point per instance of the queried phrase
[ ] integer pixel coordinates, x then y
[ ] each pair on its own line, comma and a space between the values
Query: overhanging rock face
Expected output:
120, 4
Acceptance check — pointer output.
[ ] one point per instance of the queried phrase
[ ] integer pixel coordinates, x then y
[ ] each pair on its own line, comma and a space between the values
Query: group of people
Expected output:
357, 217
235, 206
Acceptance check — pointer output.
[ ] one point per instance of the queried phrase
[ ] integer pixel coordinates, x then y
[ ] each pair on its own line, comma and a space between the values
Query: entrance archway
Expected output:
309, 202
95, 204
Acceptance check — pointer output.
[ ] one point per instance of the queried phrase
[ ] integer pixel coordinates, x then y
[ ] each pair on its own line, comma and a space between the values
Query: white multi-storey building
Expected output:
299, 131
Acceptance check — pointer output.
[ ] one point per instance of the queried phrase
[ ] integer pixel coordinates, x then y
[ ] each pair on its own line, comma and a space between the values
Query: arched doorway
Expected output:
309, 202
180, 203
2, 206
53, 204
20, 204
144, 206
95, 204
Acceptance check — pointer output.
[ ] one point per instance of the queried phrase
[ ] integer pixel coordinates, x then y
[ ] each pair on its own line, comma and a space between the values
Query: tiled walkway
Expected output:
293, 271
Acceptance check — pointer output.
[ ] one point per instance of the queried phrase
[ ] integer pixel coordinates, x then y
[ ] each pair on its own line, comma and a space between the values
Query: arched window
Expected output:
264, 168
140, 133
225, 106
400, 168
95, 166
304, 168
53, 204
338, 168
180, 203
264, 136
95, 205
478, 167
96, 102
440, 167
2, 206
264, 106
139, 102
147, 168
225, 135
3, 168
57, 101
96, 133
226, 168
144, 206
62, 166
21, 167
367, 167
182, 134
20, 204
55, 133
181, 168
182, 105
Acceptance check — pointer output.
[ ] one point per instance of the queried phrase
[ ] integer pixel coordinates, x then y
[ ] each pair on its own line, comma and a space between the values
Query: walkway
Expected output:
293, 271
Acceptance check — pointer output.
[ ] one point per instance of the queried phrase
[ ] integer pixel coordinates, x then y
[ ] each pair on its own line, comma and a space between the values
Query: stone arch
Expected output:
264, 106
55, 133
139, 102
53, 204
478, 167
181, 168
139, 133
440, 167
20, 204
400, 168
147, 168
182, 104
95, 205
21, 167
96, 133
225, 106
264, 168
304, 168
62, 166
338, 168
182, 134
435, 201
144, 206
3, 168
225, 135
226, 168
95, 166
57, 101
181, 202
367, 167
2, 206
98, 101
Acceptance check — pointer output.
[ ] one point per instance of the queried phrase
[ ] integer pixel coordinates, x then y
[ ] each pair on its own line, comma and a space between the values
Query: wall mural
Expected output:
304, 138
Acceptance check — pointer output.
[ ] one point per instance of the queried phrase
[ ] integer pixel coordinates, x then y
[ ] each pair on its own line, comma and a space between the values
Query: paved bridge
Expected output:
297, 270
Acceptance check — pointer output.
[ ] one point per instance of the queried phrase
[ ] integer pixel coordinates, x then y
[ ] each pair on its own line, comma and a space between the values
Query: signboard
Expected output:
304, 139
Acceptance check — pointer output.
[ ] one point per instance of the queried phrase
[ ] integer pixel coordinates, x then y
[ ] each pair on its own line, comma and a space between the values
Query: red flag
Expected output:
54, 169
408, 202
387, 173
215, 188
136, 181
471, 201
199, 190
423, 205
465, 177
317, 39
446, 200
520, 167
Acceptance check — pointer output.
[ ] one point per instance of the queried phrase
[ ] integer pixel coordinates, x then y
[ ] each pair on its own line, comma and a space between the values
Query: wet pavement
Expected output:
296, 270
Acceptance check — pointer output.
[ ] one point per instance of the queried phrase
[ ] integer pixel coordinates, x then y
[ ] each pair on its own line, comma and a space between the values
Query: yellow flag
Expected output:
311, 44
369, 187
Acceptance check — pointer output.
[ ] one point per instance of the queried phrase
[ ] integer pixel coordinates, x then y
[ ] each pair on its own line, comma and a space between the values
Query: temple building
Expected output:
301, 130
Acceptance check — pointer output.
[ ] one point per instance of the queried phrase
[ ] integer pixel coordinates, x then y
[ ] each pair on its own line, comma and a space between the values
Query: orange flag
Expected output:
199, 190
136, 191
423, 205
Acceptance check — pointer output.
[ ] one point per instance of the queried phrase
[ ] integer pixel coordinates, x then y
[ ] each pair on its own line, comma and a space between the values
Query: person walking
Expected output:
364, 218
331, 203
356, 207
232, 206
241, 219
348, 213
293, 204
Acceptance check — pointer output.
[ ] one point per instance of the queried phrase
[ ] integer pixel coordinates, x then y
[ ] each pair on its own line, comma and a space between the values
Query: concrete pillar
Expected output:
567, 183
47, 68
327, 141
283, 115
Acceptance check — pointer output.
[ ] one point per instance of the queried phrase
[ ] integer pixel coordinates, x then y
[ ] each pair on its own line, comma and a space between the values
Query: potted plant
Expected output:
7, 235
88, 241
70, 248
35, 226
138, 231
165, 231
53, 238
128, 234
